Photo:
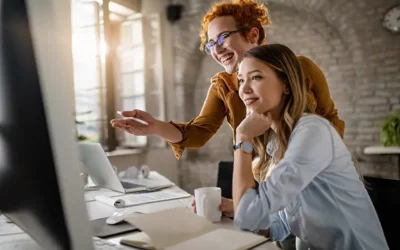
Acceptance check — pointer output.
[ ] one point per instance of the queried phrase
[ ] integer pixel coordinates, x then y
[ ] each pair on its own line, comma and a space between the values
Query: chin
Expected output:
230, 69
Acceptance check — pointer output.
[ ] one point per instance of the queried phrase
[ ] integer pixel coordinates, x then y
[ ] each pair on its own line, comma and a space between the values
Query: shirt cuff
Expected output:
279, 229
249, 212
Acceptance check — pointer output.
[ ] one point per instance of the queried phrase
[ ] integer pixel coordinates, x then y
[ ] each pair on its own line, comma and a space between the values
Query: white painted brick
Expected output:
388, 69
373, 100
366, 93
369, 131
365, 138
394, 100
382, 108
366, 124
372, 116
383, 93
393, 85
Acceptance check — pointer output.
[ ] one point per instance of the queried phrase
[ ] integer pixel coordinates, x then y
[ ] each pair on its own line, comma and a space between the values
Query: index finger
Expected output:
132, 113
116, 120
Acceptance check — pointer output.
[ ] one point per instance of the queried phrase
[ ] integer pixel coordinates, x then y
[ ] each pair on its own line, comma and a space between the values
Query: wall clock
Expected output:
391, 20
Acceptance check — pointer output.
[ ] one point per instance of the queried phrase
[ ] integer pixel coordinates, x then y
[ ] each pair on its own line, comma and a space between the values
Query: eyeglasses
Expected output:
208, 47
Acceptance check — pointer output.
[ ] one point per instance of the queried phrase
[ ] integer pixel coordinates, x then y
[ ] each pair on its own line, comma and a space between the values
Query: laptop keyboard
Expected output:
128, 185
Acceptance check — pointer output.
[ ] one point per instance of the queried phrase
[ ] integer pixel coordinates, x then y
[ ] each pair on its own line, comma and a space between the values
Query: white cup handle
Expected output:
203, 203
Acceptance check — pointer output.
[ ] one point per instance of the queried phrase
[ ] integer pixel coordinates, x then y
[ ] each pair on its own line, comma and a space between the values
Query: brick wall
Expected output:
360, 59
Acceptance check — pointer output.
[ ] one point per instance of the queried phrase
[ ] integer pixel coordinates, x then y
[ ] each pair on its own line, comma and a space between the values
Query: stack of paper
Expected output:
141, 198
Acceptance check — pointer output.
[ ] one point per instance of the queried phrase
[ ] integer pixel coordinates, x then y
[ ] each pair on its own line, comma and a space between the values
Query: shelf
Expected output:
380, 150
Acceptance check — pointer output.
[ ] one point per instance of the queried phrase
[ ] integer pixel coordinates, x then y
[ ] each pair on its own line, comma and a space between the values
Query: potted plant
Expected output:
80, 137
390, 130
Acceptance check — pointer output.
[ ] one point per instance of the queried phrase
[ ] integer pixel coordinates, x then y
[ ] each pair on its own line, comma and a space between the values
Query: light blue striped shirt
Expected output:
315, 193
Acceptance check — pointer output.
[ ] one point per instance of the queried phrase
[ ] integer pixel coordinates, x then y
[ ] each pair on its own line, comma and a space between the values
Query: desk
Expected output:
96, 210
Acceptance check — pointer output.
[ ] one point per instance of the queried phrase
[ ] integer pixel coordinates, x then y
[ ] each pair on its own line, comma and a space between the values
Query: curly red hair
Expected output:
247, 13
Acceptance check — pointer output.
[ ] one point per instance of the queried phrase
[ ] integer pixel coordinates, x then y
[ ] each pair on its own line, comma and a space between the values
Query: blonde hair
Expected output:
284, 63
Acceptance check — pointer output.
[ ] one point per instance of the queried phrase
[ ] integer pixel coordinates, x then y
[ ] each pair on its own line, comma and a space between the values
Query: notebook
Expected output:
141, 198
181, 229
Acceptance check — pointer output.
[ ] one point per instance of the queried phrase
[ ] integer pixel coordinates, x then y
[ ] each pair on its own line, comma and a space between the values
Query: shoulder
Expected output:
309, 119
308, 66
224, 80
313, 124
311, 137
306, 62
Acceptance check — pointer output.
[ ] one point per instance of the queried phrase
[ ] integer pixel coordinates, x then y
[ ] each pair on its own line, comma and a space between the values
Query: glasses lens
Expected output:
209, 47
222, 39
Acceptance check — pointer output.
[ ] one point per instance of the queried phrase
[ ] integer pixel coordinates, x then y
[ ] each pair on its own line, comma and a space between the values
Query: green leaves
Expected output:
390, 131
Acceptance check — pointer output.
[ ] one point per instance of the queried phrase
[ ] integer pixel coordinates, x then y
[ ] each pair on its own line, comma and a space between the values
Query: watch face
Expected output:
247, 147
391, 20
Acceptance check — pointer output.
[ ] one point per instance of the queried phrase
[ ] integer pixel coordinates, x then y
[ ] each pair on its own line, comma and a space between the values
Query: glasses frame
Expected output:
220, 40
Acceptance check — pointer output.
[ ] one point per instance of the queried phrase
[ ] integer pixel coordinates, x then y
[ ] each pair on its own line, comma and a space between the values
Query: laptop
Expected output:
103, 175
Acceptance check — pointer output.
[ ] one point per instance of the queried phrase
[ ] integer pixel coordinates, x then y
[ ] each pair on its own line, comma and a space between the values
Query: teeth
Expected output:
250, 101
226, 58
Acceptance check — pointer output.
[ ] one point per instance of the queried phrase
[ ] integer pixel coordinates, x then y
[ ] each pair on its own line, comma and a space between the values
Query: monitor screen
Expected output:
29, 178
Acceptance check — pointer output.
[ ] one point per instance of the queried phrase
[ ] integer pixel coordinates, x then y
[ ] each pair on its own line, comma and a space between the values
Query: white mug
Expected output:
208, 200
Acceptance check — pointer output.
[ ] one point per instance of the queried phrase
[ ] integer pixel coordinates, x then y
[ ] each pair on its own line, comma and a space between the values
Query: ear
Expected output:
286, 90
253, 35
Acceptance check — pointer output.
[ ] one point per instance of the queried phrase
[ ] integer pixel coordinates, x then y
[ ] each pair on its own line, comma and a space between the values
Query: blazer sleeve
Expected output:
199, 130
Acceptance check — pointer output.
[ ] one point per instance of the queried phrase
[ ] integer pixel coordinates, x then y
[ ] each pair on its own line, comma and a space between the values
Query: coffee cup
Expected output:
208, 200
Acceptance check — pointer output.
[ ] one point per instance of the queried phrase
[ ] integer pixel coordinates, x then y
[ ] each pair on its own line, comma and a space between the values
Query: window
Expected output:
89, 55
88, 60
131, 63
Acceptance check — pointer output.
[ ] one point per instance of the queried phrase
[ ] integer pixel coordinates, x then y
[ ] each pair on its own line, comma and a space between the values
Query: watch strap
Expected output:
237, 145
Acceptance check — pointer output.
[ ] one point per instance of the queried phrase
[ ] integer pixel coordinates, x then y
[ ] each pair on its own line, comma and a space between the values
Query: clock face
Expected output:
391, 21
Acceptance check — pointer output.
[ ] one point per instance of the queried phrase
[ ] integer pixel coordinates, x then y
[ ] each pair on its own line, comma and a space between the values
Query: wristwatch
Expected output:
245, 146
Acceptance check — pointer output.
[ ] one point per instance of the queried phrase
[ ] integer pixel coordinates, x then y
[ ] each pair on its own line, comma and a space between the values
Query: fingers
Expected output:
131, 113
128, 122
194, 206
130, 126
136, 113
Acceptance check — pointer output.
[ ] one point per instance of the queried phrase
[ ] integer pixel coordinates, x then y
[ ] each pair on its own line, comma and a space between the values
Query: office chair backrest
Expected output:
224, 181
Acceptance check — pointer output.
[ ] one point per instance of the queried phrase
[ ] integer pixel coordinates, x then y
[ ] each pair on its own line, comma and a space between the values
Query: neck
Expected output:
274, 125
276, 116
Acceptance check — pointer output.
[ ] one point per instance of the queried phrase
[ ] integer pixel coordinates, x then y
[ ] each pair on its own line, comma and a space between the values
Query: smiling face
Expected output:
232, 50
259, 86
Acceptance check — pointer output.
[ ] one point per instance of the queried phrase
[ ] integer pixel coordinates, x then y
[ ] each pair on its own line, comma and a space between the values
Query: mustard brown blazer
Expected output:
223, 101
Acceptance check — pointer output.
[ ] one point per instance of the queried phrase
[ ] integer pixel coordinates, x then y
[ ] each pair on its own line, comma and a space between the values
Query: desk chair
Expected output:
385, 195
224, 180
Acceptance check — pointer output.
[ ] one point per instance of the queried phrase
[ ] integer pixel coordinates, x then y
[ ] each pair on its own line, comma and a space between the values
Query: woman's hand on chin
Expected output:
253, 125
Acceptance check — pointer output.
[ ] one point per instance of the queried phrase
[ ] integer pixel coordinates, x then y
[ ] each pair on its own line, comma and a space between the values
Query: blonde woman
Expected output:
312, 182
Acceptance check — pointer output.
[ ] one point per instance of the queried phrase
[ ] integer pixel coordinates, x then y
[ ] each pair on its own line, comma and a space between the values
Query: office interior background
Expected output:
145, 54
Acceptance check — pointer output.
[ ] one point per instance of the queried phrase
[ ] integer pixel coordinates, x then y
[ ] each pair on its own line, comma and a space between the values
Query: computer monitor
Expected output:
40, 189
